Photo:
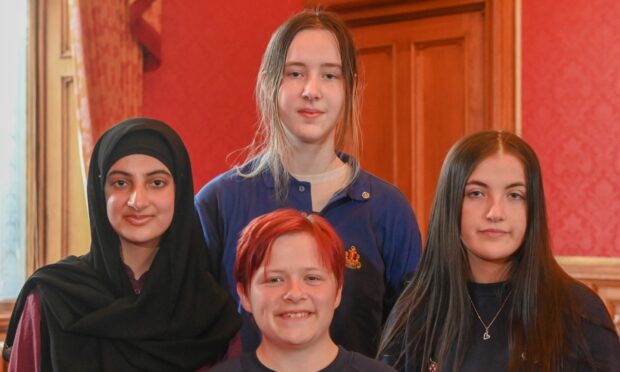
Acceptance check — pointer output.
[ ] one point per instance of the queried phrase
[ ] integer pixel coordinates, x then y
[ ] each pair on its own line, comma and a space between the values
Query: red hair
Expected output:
254, 246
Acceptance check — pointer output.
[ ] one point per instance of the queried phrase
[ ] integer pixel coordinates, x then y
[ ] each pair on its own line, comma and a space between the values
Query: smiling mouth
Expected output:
295, 315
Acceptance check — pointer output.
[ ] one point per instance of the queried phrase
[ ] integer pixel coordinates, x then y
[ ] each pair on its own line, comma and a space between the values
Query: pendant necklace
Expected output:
486, 334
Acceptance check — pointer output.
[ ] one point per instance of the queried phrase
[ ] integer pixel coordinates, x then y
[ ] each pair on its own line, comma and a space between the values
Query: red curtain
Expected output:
110, 61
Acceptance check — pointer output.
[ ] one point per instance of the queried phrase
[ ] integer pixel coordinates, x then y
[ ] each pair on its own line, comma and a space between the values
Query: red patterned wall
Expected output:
211, 52
571, 99
571, 116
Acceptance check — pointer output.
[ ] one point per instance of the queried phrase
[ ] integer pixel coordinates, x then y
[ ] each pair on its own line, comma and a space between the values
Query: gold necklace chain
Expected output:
486, 334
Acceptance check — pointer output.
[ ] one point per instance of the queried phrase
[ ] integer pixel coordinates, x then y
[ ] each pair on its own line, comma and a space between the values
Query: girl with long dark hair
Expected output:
488, 294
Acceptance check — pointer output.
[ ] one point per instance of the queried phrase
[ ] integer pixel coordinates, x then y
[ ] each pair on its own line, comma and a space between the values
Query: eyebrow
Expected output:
309, 268
482, 184
149, 174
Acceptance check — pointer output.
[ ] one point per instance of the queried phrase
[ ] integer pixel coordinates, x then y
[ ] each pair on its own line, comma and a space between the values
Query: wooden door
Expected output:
432, 72
424, 85
63, 217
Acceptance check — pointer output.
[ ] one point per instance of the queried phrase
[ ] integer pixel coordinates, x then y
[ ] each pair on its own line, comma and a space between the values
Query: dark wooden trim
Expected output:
410, 16
6, 307
39, 251
341, 5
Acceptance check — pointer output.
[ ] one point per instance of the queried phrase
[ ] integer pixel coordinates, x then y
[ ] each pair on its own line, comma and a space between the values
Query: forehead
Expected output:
499, 167
314, 45
138, 163
295, 250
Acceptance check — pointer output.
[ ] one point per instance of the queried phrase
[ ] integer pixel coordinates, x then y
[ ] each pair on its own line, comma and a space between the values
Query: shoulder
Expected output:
379, 185
70, 269
219, 182
590, 305
362, 363
597, 327
354, 361
382, 195
385, 201
232, 181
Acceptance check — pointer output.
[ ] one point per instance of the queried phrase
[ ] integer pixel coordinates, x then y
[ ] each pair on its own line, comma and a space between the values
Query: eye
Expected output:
274, 280
158, 183
119, 183
331, 76
314, 278
474, 194
516, 196
294, 74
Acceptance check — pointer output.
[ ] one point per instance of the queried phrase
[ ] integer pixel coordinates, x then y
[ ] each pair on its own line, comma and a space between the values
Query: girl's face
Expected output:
311, 95
292, 299
494, 216
139, 193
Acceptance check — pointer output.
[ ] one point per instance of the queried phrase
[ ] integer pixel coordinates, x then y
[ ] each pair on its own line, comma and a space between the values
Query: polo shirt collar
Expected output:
359, 189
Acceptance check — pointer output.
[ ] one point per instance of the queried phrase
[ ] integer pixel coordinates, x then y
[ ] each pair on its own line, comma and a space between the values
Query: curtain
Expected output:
145, 20
110, 61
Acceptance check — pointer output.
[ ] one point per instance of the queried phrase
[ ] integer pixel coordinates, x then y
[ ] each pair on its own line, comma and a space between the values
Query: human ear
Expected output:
338, 298
245, 301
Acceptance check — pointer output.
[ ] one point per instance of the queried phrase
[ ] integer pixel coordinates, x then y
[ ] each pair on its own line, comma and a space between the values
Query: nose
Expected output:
294, 292
137, 200
312, 88
496, 210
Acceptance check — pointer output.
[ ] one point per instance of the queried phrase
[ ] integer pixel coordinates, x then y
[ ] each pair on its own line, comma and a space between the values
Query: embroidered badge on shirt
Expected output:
352, 258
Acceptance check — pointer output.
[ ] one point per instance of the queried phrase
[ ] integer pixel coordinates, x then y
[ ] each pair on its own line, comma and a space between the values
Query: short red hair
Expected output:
254, 246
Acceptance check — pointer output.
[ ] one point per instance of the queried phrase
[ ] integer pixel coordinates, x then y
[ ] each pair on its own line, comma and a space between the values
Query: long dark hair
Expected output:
433, 315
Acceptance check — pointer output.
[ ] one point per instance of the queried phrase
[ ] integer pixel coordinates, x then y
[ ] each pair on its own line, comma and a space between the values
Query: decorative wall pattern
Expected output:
571, 116
211, 52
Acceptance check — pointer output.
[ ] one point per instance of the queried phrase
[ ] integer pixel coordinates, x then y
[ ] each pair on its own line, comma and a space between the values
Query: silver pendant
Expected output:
486, 335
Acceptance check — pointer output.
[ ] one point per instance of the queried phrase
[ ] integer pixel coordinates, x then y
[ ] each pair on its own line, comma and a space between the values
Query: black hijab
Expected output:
91, 318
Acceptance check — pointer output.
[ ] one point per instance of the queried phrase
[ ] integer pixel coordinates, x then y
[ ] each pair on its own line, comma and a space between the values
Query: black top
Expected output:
492, 354
91, 319
346, 361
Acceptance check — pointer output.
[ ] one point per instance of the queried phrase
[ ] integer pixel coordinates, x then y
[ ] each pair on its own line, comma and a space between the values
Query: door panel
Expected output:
379, 124
65, 227
424, 89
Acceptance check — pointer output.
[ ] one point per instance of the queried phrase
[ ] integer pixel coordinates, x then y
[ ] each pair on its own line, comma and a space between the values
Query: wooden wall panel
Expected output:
454, 73
439, 80
65, 223
378, 75
424, 86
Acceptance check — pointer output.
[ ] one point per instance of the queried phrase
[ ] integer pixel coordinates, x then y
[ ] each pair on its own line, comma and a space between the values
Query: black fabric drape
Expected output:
91, 318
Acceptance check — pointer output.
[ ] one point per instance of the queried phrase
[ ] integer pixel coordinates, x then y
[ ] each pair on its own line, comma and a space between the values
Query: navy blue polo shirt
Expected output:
372, 217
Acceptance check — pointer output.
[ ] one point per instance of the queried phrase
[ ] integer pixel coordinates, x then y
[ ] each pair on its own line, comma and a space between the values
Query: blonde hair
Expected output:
270, 144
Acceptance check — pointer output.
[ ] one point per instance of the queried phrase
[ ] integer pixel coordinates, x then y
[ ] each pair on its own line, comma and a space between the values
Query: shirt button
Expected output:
302, 188
365, 195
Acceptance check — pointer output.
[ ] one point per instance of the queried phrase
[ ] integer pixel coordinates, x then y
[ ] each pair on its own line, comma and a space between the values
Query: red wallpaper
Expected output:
571, 116
571, 99
211, 52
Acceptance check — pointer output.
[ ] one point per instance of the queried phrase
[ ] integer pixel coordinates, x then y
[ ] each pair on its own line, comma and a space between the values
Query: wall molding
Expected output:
602, 274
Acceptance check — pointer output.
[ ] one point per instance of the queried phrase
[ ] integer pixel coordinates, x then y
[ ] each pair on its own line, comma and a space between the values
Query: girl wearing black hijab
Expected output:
142, 298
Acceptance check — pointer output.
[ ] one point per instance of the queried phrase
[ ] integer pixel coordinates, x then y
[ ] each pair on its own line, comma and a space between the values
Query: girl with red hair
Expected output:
289, 272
